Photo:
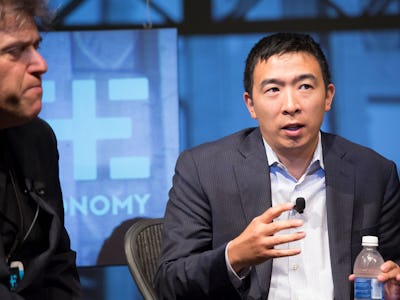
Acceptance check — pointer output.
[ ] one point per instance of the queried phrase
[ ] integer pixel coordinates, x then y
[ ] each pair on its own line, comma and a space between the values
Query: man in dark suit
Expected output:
36, 261
230, 229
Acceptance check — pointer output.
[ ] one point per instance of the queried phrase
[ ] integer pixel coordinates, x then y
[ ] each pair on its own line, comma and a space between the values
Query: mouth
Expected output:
293, 127
35, 88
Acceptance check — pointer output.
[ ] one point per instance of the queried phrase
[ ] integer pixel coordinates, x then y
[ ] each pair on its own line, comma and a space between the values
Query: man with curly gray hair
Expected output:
36, 260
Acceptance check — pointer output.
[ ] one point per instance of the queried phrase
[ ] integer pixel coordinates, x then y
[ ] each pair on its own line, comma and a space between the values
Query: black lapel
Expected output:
340, 180
254, 183
252, 174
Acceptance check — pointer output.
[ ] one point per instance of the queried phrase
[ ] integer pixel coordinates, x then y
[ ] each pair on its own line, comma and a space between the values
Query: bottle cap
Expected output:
369, 240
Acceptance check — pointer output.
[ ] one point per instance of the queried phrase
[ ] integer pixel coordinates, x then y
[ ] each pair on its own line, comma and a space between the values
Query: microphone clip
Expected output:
300, 205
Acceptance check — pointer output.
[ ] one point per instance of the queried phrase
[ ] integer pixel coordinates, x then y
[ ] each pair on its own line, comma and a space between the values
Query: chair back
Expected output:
142, 249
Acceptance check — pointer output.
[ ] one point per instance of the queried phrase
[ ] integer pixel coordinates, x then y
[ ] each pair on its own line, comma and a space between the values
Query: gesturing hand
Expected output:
256, 243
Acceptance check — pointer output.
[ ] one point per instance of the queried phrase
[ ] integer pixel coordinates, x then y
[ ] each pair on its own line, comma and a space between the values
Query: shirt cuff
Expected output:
236, 279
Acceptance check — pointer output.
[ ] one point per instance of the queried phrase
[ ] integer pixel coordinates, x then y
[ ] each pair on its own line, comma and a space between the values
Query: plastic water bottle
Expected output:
366, 270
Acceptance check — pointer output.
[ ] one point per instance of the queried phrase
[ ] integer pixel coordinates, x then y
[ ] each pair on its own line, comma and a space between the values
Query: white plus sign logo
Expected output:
84, 129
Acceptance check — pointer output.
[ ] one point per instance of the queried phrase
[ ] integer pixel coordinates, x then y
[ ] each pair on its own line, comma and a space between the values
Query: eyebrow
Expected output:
282, 83
34, 41
21, 43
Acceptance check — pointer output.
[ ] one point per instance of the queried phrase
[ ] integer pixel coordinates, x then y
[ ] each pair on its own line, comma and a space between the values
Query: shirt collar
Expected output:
317, 156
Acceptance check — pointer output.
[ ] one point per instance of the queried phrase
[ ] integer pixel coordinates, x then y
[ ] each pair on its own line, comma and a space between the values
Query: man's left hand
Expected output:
390, 275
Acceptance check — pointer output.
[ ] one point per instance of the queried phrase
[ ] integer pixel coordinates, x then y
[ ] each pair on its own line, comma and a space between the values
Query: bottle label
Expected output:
368, 288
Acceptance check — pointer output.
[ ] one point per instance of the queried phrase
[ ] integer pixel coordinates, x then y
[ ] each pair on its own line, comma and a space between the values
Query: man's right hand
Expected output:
256, 243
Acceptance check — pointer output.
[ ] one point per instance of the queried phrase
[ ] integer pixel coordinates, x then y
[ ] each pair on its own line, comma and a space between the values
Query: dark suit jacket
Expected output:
219, 187
53, 273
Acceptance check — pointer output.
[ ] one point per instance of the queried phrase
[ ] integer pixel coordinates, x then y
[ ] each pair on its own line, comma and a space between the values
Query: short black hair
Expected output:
281, 43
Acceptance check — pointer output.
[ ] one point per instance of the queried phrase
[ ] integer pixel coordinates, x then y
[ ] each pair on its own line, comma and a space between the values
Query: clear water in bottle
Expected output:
366, 270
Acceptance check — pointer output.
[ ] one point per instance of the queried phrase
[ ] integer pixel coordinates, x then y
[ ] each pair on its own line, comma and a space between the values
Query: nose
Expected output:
291, 105
37, 64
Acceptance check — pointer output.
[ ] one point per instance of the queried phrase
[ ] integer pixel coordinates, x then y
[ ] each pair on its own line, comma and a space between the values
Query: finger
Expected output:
273, 212
387, 266
275, 240
352, 277
389, 270
275, 227
275, 253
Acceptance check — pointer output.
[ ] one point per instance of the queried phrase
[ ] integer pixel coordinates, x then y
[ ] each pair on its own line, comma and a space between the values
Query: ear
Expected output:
249, 104
330, 92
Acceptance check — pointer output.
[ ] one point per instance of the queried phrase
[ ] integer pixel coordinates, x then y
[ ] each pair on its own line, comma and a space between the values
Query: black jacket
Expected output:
51, 272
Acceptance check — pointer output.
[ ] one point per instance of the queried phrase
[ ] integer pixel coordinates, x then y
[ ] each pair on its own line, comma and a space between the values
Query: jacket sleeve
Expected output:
189, 267
389, 221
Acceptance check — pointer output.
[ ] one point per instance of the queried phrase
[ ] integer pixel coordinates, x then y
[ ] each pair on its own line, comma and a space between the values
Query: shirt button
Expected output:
295, 267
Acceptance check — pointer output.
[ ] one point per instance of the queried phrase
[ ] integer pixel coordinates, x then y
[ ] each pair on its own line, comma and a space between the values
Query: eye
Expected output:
305, 86
15, 51
272, 90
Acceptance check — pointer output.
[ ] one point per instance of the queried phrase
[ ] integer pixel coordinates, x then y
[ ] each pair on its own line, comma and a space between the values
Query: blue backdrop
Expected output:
112, 100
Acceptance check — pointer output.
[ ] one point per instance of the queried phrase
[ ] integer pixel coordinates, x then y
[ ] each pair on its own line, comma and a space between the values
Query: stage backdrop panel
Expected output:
111, 97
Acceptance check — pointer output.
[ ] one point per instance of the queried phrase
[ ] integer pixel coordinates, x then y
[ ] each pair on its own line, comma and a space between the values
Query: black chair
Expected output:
142, 249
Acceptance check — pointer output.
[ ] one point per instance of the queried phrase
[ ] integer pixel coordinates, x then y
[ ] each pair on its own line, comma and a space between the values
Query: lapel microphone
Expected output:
300, 205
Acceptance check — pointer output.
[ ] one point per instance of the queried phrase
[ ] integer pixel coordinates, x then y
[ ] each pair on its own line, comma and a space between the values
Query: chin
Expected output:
34, 110
29, 115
